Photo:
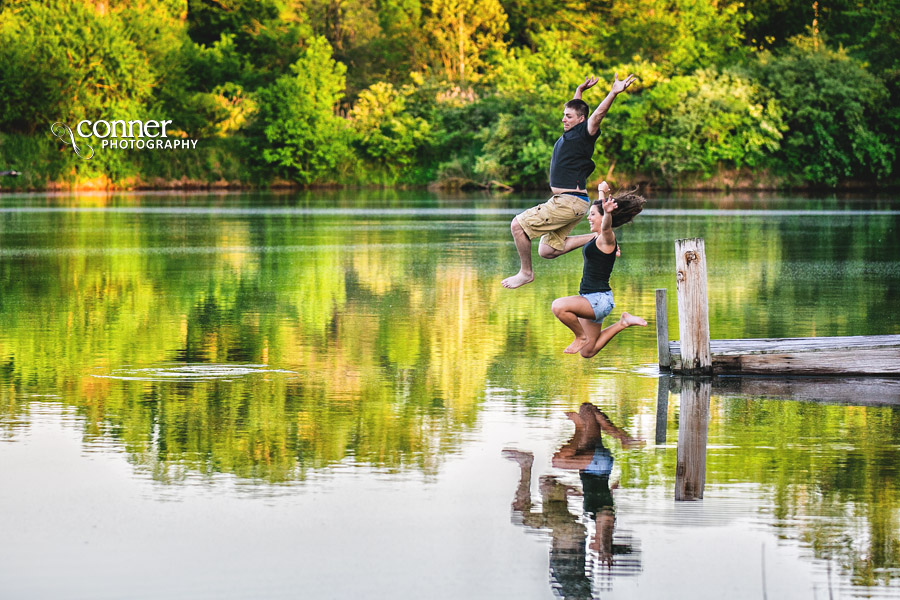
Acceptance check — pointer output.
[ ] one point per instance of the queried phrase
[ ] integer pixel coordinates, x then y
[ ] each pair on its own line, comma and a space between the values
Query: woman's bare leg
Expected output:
597, 340
571, 311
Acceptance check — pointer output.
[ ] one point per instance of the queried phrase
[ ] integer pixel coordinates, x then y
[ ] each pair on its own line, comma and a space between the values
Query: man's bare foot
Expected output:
628, 320
517, 280
576, 345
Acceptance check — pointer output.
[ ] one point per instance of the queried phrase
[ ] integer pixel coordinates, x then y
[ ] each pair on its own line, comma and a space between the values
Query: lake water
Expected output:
329, 395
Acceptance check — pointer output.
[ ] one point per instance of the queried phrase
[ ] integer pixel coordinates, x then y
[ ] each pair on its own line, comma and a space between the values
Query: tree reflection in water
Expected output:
584, 552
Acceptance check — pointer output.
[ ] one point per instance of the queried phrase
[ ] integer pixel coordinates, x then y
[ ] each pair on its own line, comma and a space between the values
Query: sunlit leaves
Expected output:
464, 34
304, 137
697, 124
684, 35
63, 61
386, 133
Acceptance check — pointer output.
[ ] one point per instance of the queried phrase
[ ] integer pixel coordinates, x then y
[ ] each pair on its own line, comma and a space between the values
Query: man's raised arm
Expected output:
617, 88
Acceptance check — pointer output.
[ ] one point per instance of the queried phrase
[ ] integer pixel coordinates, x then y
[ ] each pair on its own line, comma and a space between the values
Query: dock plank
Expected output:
853, 391
876, 355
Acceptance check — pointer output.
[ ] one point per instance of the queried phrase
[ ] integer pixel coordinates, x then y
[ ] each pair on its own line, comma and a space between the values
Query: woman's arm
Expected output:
606, 241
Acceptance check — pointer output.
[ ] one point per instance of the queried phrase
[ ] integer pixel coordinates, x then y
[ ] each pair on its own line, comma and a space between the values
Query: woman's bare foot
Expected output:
576, 345
628, 320
517, 280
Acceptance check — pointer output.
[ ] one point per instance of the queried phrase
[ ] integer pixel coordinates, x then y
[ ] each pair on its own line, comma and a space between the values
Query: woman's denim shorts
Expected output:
602, 303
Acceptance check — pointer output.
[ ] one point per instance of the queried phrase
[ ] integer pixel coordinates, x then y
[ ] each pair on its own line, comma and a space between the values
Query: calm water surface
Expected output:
330, 395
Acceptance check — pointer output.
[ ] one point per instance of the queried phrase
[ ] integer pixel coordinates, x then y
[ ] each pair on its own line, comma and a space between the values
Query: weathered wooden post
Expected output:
693, 423
662, 331
693, 307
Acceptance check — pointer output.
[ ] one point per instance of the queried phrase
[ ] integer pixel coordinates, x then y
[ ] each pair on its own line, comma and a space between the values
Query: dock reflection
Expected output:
694, 408
586, 553
693, 427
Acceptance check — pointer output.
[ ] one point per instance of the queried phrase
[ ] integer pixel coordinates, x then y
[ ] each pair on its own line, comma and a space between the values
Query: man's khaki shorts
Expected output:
554, 219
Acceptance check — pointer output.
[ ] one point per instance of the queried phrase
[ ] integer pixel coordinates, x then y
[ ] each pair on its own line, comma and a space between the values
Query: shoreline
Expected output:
644, 186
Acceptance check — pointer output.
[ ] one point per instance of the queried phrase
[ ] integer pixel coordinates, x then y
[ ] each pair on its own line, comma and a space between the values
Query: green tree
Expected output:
772, 23
220, 101
303, 137
552, 71
517, 149
267, 36
400, 49
695, 125
870, 33
834, 109
528, 19
64, 61
531, 88
464, 33
386, 135
352, 28
868, 30
681, 35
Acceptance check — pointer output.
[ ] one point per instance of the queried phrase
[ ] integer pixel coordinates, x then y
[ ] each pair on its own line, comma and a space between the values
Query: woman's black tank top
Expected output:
597, 267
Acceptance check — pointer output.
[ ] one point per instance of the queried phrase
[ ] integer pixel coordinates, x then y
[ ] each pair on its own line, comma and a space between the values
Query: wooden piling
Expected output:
662, 331
693, 308
693, 423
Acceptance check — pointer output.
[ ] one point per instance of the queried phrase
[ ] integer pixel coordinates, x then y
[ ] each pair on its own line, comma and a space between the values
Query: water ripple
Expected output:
191, 372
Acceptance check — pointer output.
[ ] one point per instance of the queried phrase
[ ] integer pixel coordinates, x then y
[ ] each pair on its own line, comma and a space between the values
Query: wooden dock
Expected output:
853, 355
697, 354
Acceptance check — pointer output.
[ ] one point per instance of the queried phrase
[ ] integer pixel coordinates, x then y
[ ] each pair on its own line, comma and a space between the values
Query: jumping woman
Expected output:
584, 314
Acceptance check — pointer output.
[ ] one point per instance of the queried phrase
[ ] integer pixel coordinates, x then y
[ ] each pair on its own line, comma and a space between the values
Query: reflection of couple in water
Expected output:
586, 453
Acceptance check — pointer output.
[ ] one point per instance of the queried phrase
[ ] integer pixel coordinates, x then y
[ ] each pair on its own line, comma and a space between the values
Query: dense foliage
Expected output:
413, 91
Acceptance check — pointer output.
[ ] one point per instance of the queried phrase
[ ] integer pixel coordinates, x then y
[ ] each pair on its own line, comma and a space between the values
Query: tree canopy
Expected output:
413, 91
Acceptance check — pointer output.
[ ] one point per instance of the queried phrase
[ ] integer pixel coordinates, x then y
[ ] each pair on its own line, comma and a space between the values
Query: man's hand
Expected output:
619, 86
589, 82
603, 187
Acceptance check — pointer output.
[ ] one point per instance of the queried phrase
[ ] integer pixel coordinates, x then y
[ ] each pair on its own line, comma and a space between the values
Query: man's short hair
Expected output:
579, 106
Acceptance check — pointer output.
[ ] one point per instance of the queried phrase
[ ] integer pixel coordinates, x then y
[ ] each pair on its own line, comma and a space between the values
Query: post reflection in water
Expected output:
693, 424
693, 427
662, 408
577, 555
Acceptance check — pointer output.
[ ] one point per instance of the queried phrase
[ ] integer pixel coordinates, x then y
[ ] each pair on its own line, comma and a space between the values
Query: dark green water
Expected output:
309, 395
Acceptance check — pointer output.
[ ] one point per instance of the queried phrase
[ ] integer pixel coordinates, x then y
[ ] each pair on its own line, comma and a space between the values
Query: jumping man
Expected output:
570, 166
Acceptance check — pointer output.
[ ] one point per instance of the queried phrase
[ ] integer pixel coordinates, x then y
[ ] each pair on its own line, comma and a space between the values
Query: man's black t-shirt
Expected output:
571, 163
